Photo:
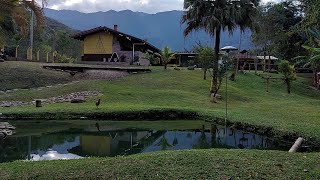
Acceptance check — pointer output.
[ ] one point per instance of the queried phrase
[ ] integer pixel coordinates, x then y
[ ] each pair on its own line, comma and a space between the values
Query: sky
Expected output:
147, 6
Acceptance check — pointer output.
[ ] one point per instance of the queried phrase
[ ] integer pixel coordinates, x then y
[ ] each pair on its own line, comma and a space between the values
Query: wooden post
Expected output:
269, 63
249, 67
29, 54
296, 145
53, 56
267, 84
38, 103
17, 52
256, 65
47, 57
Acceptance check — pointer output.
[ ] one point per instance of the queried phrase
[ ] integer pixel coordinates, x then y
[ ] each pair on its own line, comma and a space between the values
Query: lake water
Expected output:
79, 143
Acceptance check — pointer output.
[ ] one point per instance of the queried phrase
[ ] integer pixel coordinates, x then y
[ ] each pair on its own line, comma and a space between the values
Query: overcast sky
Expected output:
148, 6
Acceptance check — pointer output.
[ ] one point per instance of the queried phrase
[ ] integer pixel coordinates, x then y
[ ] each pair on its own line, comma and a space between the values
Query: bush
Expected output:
64, 59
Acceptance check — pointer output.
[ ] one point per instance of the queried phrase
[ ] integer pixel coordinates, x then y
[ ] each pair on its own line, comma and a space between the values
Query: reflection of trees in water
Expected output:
189, 135
13, 148
243, 141
16, 148
202, 142
164, 143
175, 140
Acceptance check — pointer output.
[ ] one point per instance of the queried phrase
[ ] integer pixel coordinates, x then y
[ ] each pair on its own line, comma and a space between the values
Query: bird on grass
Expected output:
98, 103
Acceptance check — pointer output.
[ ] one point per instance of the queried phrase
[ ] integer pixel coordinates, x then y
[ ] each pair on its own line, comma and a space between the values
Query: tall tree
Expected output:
313, 60
215, 16
278, 33
311, 13
204, 56
17, 11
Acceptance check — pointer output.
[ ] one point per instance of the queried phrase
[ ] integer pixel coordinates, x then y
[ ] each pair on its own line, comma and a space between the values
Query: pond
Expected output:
104, 140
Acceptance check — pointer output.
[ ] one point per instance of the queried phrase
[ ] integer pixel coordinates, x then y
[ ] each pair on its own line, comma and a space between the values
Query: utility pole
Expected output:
31, 36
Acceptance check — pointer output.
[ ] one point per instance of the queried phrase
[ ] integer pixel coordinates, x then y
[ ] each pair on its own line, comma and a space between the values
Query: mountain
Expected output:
58, 26
160, 29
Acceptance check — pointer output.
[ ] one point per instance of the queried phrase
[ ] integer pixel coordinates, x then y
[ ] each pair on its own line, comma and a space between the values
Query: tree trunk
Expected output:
315, 78
165, 65
214, 81
287, 80
204, 73
238, 59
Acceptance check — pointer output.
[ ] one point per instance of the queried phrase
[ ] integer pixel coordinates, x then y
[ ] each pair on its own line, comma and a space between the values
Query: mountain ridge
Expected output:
160, 29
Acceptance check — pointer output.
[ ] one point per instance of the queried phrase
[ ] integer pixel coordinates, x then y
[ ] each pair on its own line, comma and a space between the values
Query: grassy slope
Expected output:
248, 101
191, 164
20, 75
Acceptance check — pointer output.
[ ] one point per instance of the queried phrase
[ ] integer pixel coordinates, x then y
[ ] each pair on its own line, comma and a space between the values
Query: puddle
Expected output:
74, 144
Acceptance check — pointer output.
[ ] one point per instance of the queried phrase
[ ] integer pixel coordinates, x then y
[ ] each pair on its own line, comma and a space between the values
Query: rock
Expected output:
1, 60
78, 100
218, 96
191, 68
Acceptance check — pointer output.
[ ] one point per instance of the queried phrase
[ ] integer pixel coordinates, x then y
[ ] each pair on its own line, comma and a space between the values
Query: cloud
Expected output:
148, 6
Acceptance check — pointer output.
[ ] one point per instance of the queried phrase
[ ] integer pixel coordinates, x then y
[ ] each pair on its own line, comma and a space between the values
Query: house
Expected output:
249, 62
110, 46
183, 58
268, 62
246, 61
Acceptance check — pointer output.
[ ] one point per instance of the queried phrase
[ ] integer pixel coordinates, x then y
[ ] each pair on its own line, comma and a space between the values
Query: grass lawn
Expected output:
173, 90
24, 75
186, 91
189, 164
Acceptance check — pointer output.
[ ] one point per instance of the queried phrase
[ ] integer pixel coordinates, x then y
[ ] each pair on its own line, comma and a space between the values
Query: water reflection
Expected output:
53, 155
73, 145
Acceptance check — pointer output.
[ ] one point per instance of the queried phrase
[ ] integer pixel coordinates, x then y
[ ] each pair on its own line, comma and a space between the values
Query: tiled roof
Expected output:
83, 34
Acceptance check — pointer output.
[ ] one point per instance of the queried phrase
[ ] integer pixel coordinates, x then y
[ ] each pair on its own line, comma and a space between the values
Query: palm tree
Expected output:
215, 16
166, 55
18, 12
314, 59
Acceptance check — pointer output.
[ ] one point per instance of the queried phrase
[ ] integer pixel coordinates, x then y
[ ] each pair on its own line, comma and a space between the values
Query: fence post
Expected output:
17, 52
29, 53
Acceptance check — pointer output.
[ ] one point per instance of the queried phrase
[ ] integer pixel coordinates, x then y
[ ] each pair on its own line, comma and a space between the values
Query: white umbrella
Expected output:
229, 48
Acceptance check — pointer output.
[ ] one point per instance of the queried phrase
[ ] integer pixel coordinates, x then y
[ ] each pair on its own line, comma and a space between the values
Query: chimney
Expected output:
115, 27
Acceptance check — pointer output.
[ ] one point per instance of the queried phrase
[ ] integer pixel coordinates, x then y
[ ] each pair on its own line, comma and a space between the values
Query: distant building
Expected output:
109, 46
183, 58
248, 61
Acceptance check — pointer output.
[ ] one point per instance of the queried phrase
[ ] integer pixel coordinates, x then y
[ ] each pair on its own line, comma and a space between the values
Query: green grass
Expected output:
24, 75
186, 91
189, 164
